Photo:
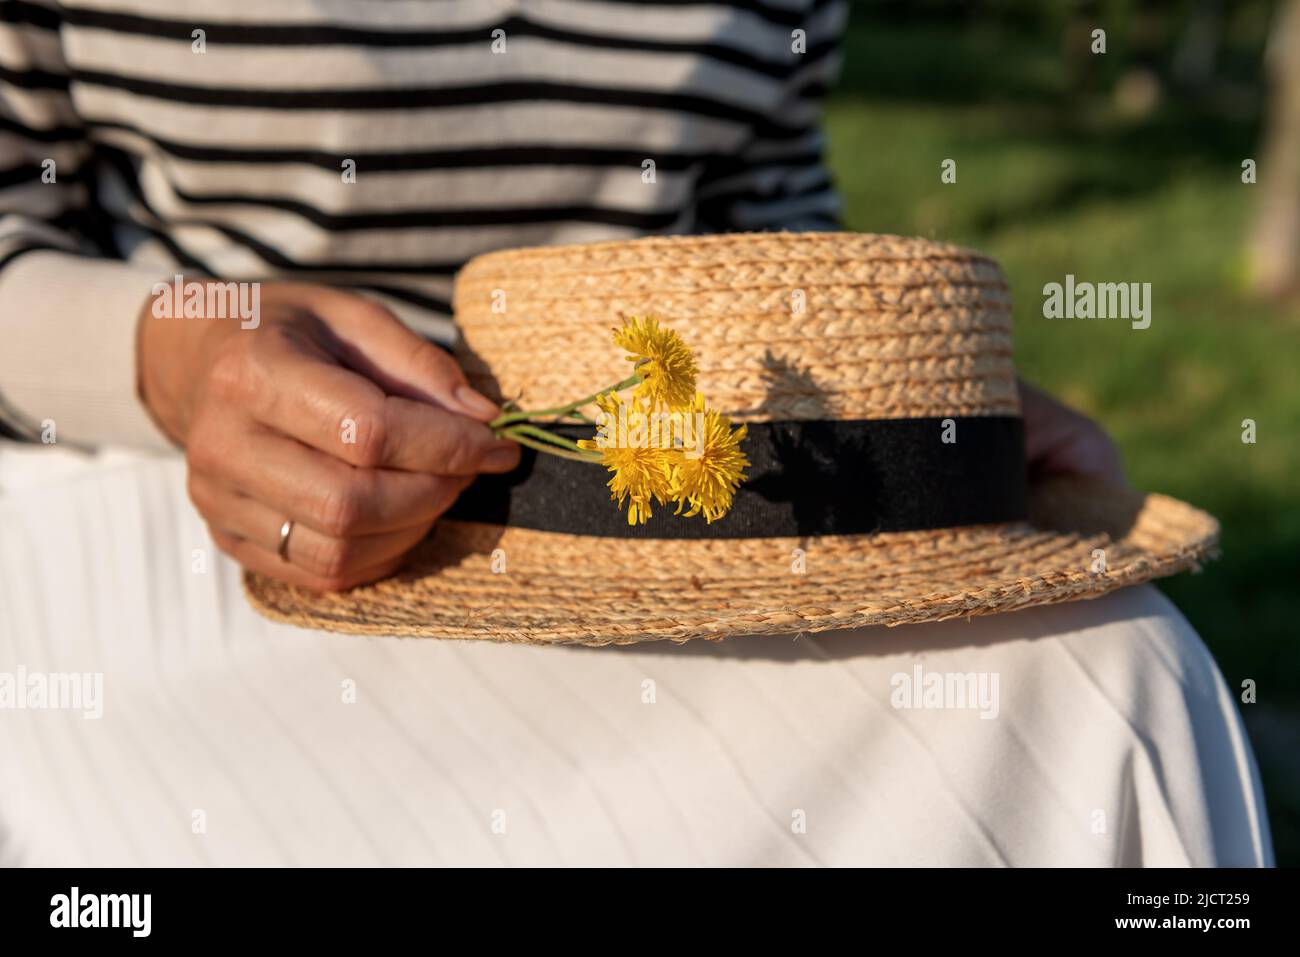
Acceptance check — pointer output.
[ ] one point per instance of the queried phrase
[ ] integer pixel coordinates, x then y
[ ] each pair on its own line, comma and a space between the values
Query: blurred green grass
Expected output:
1053, 181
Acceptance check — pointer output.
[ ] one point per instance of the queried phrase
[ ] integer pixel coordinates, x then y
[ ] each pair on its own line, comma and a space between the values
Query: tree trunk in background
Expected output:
1274, 253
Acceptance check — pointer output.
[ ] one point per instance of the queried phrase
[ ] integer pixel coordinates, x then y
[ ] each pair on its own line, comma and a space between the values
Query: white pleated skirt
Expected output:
1094, 733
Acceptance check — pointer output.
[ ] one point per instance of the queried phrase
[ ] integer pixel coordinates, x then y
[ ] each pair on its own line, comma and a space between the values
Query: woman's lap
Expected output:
1094, 733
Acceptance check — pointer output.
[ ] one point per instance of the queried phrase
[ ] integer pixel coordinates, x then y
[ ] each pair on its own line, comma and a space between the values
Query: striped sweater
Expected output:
376, 144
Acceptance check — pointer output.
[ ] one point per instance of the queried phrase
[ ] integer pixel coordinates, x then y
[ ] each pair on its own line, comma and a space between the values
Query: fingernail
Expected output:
503, 458
476, 403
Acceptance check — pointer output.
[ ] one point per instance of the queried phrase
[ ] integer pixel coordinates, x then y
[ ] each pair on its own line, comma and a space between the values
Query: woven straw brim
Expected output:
596, 591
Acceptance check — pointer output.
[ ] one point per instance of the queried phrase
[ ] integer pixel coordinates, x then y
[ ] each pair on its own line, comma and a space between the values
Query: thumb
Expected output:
371, 340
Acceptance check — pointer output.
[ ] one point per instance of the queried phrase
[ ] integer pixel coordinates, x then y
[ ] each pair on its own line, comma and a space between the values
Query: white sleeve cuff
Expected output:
68, 348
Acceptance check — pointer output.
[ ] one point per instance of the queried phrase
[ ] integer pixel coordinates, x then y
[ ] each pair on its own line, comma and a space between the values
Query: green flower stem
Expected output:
522, 428
506, 418
548, 448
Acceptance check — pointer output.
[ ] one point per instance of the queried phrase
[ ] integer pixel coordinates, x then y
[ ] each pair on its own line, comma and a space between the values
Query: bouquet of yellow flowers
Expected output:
661, 441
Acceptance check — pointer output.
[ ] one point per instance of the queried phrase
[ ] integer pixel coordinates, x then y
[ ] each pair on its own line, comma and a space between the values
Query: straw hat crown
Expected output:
784, 326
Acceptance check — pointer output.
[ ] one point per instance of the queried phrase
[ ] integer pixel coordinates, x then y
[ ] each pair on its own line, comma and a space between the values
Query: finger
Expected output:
1090, 453
255, 558
345, 415
1062, 441
319, 491
322, 555
377, 344
1070, 444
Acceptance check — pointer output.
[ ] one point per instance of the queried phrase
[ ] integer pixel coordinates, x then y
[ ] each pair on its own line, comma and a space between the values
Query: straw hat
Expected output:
887, 482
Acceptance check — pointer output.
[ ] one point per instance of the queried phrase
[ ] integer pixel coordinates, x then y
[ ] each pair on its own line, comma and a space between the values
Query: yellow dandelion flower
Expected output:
666, 365
710, 467
642, 471
609, 404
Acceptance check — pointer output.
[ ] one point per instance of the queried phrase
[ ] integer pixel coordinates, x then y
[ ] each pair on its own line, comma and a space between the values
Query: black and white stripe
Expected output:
229, 161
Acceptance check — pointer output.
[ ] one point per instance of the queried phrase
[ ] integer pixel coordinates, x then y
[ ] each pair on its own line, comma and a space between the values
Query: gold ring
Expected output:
283, 550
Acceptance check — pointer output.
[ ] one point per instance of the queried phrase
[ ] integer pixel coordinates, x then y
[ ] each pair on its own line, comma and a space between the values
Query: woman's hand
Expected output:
329, 413
1061, 441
